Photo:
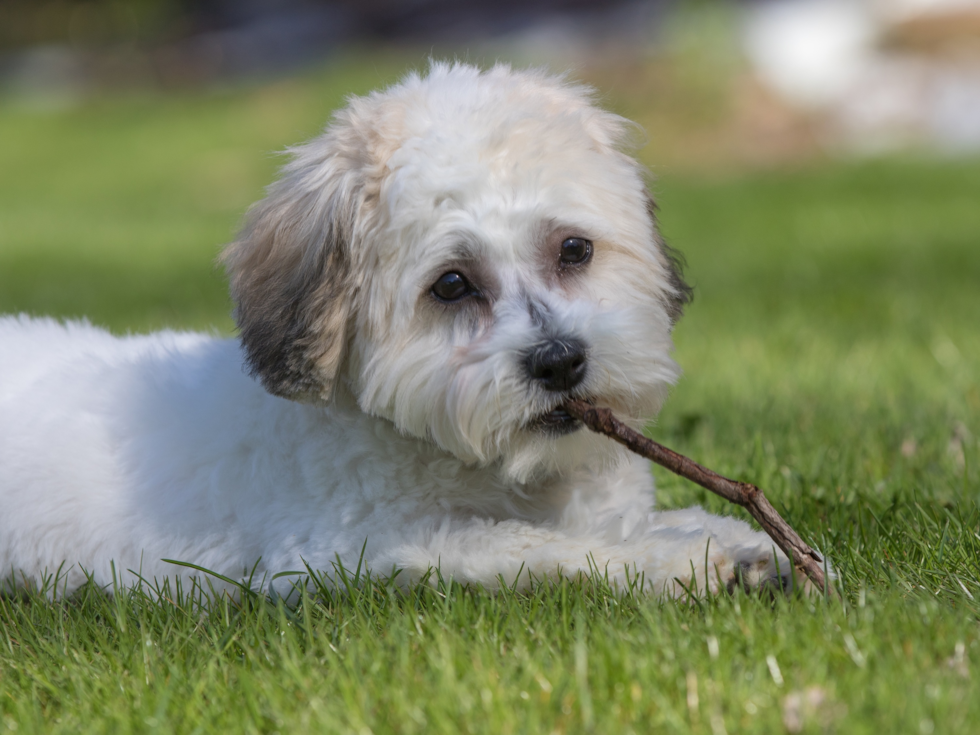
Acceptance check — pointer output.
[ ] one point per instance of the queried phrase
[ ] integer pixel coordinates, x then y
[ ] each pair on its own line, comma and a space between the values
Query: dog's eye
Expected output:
575, 251
451, 287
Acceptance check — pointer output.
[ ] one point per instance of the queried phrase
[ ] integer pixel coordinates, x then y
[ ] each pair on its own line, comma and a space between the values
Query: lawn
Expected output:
832, 356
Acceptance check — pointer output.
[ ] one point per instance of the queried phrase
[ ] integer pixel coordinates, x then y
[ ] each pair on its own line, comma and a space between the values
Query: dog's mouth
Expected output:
556, 422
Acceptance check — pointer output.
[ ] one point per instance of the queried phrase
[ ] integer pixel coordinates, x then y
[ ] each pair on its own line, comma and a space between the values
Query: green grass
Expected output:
832, 355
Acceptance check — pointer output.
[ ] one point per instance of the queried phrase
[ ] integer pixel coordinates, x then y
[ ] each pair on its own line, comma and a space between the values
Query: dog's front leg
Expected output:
674, 553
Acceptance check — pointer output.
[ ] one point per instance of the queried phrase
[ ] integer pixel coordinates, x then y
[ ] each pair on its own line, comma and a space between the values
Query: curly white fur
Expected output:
373, 416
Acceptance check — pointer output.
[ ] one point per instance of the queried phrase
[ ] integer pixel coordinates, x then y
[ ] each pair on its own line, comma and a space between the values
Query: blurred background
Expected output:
817, 161
741, 81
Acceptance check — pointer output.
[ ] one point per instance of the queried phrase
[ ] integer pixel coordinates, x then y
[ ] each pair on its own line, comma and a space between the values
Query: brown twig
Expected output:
750, 497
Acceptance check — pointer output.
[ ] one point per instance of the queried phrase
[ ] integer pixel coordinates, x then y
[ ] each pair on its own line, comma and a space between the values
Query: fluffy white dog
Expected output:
418, 294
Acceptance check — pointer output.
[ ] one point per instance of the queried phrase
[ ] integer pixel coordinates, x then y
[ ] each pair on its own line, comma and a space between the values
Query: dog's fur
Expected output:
373, 417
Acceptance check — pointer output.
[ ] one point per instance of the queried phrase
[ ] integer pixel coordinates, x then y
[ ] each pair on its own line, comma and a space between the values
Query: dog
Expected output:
418, 294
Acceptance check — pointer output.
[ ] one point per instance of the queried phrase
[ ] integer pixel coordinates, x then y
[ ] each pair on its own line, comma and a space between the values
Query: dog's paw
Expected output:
768, 571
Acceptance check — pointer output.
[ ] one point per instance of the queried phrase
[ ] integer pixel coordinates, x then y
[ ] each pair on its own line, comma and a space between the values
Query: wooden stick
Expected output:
750, 497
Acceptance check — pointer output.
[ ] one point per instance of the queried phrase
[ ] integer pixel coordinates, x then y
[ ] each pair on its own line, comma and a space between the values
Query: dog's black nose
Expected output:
558, 364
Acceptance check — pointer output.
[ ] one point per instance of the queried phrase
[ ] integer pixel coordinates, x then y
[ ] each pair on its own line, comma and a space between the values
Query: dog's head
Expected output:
462, 252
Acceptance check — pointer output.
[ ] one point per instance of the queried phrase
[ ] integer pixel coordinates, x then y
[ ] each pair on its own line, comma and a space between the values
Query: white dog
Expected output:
418, 294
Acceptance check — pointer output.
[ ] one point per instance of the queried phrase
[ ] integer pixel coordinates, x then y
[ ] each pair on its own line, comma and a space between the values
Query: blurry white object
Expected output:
810, 51
881, 73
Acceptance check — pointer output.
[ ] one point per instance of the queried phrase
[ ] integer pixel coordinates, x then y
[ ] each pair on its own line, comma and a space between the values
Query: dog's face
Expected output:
463, 253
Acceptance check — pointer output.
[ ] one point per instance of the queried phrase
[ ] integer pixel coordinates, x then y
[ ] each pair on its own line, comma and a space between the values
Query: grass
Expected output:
832, 356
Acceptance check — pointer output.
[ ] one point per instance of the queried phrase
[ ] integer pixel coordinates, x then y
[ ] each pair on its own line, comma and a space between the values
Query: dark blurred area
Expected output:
176, 42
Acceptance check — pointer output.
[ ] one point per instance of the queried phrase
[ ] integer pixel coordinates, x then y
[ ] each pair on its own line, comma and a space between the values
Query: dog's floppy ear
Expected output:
680, 294
291, 275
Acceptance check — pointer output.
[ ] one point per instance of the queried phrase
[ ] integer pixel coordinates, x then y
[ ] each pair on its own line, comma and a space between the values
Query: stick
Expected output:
750, 497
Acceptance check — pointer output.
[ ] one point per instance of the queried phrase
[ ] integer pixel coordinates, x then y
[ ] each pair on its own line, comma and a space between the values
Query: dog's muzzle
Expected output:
557, 366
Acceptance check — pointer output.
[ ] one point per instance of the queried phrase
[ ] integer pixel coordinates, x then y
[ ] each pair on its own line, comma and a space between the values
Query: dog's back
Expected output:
36, 350
67, 393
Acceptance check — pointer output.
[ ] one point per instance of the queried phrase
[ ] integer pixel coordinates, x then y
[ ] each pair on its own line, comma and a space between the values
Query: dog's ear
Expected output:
292, 277
680, 294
